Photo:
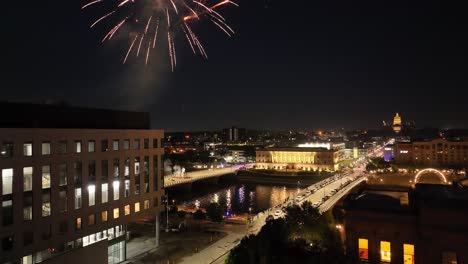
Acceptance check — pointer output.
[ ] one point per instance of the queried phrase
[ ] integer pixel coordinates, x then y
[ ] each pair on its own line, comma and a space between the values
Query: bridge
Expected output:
190, 177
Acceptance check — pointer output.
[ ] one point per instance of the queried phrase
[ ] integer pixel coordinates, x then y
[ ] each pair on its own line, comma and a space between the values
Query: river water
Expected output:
236, 197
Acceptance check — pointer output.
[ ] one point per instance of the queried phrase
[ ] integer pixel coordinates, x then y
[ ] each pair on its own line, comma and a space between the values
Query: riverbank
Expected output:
289, 179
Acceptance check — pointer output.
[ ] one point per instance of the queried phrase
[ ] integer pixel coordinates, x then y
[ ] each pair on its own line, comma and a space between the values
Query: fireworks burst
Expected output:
146, 18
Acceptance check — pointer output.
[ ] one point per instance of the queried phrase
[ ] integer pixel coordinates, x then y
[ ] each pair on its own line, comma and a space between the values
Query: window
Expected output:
78, 198
104, 170
27, 206
116, 168
46, 210
115, 144
116, 213
127, 209
45, 176
146, 204
63, 174
92, 171
28, 149
7, 212
62, 201
155, 172
127, 188
78, 223
363, 249
77, 146
91, 220
126, 144
7, 181
45, 150
449, 257
104, 216
408, 254
137, 207
137, 144
146, 143
7, 150
116, 185
137, 175
385, 251
104, 145
127, 168
91, 146
7, 243
155, 143
146, 173
62, 147
104, 192
91, 195
77, 172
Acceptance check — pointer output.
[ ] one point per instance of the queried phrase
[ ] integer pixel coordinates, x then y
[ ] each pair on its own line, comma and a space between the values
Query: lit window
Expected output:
78, 223
385, 252
27, 149
91, 195
27, 207
127, 209
77, 198
116, 185
78, 146
45, 176
116, 213
146, 204
7, 181
46, 204
115, 144
127, 188
408, 254
104, 216
45, 148
449, 257
137, 207
91, 220
363, 248
91, 146
104, 193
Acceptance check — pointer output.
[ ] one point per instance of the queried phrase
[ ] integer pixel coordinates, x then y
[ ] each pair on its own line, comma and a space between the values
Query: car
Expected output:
308, 192
316, 204
278, 213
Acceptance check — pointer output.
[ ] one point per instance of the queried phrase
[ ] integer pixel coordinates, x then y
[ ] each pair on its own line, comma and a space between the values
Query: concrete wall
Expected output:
95, 253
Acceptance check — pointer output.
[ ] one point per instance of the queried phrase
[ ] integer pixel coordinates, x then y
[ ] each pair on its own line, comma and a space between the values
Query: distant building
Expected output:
299, 158
427, 225
397, 123
437, 152
234, 134
321, 144
71, 181
389, 152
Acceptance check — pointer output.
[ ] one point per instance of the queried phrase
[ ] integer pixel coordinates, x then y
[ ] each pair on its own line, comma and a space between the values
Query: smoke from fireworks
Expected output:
146, 18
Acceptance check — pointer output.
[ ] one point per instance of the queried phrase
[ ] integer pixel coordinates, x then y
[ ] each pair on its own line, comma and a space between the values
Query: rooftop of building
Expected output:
60, 115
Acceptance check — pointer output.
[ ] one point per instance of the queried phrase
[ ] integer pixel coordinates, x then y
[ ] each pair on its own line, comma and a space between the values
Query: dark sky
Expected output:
292, 64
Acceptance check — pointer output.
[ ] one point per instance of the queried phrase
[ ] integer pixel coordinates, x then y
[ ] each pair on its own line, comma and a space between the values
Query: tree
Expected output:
215, 212
199, 215
181, 214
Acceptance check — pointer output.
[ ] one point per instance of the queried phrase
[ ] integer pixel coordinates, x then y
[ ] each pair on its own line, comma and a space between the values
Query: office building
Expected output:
68, 194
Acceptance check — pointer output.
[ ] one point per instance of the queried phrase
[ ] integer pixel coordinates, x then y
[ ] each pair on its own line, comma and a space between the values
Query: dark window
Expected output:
7, 212
104, 145
126, 144
7, 150
155, 173
7, 243
104, 170
77, 172
116, 168
28, 238
92, 171
146, 143
62, 147
155, 143
146, 173
137, 144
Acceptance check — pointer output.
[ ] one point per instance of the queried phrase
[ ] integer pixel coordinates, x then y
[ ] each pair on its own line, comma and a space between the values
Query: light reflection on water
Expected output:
233, 198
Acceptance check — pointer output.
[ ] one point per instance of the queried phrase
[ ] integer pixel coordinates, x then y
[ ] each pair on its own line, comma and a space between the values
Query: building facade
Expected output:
438, 152
299, 158
428, 225
64, 190
397, 123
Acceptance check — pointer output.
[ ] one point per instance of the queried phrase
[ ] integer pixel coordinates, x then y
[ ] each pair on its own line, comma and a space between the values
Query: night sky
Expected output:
293, 64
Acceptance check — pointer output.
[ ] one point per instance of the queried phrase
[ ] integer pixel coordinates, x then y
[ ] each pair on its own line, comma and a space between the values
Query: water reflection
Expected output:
233, 198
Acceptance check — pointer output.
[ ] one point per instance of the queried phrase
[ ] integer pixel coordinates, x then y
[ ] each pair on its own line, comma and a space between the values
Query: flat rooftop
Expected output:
30, 115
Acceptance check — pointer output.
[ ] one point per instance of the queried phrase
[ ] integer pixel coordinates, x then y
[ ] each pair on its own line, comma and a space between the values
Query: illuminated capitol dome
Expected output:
397, 123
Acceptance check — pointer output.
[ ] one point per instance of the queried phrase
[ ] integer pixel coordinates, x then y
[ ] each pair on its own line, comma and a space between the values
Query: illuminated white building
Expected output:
326, 145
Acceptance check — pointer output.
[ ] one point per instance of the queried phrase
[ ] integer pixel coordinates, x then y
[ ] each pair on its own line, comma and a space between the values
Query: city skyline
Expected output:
321, 63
